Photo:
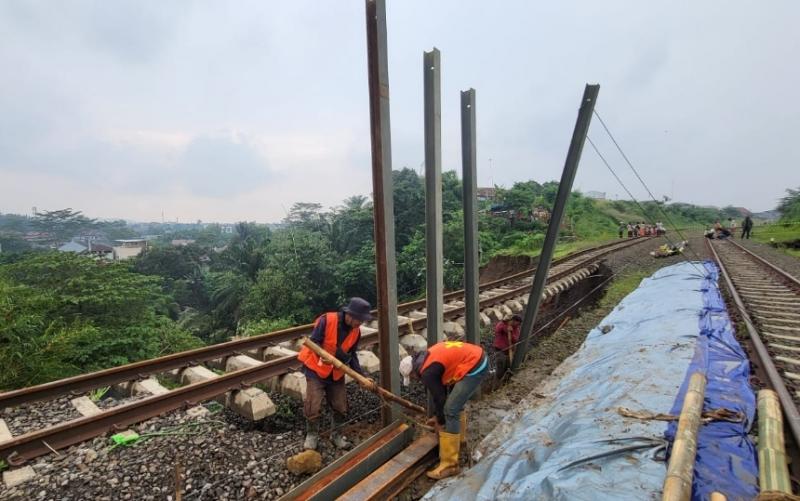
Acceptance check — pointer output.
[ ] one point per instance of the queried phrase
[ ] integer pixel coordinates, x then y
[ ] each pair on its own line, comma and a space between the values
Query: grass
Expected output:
621, 287
98, 393
778, 235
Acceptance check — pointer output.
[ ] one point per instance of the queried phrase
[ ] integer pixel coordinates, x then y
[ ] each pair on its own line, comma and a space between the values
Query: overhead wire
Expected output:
644, 211
636, 173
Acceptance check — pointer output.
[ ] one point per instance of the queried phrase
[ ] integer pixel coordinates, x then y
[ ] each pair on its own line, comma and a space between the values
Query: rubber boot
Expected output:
448, 456
312, 434
463, 433
337, 437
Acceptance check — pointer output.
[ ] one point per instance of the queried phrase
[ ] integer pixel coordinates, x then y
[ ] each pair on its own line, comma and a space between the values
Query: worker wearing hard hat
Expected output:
460, 366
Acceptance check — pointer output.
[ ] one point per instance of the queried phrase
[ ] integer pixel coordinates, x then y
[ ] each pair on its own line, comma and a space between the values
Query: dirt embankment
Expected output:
502, 266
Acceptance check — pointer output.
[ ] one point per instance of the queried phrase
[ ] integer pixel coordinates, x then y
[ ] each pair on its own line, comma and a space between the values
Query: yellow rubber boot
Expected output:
463, 434
449, 445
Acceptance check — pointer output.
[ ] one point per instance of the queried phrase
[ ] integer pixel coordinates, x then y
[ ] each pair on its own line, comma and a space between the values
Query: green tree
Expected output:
65, 314
789, 206
62, 224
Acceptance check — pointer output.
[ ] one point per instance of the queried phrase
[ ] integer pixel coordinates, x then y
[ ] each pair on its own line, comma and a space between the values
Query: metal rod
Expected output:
470, 187
336, 478
382, 189
564, 189
365, 382
431, 67
787, 403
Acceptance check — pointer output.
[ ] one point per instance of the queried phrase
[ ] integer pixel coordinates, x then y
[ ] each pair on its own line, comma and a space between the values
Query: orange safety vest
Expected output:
314, 362
457, 357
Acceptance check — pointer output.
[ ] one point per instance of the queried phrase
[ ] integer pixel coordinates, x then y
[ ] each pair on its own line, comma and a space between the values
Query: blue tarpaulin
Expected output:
568, 440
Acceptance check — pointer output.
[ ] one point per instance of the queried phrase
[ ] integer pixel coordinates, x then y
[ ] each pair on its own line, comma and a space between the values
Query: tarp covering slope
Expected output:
569, 441
726, 457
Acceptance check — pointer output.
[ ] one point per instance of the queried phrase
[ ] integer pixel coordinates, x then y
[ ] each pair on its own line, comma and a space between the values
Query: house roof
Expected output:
72, 247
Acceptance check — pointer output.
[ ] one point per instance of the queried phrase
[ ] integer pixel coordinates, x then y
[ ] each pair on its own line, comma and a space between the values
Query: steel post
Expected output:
431, 67
470, 191
382, 189
564, 189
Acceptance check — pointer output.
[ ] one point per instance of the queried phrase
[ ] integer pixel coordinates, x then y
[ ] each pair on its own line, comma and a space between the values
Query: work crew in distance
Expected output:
337, 333
455, 364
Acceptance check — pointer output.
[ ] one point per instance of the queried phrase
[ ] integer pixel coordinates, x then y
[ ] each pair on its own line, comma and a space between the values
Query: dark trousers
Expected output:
501, 362
334, 392
746, 233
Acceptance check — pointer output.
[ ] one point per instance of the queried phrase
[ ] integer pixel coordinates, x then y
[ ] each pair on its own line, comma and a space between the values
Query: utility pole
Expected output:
564, 189
382, 189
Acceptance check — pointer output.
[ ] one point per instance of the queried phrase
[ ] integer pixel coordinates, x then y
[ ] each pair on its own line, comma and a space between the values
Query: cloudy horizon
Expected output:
235, 111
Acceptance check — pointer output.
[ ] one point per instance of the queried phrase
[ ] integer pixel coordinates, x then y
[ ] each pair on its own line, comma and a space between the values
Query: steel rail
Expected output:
37, 443
781, 272
139, 370
787, 403
33, 444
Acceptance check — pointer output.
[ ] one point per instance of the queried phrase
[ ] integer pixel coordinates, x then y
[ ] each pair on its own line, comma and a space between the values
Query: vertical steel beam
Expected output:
564, 189
470, 187
382, 189
431, 67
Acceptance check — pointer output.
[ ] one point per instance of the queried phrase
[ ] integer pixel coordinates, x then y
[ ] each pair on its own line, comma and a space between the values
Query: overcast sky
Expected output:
226, 111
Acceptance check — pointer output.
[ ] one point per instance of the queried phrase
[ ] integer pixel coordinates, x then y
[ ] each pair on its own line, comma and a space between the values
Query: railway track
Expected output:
768, 300
253, 362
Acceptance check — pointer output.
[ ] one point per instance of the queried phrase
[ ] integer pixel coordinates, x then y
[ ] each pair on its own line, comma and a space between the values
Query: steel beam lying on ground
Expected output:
334, 480
387, 481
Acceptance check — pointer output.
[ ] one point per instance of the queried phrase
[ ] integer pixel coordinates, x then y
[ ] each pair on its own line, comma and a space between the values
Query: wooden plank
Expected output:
393, 472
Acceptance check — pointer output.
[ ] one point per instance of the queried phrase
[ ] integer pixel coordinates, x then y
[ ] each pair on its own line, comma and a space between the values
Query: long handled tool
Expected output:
364, 382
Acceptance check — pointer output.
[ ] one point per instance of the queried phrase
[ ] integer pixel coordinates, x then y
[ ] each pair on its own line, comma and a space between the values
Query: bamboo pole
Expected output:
364, 382
773, 470
678, 483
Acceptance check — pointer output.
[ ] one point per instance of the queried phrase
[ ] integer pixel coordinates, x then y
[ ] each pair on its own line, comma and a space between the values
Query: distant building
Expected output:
227, 228
182, 242
128, 248
485, 194
541, 214
597, 195
72, 247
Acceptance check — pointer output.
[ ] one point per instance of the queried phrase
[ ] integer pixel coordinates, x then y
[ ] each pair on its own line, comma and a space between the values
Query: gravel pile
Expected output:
221, 455
37, 415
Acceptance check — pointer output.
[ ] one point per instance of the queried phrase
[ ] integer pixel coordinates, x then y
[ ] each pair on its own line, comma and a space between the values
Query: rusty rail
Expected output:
775, 379
144, 368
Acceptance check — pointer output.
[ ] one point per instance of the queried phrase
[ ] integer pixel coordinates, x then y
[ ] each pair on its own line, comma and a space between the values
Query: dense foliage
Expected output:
64, 314
789, 206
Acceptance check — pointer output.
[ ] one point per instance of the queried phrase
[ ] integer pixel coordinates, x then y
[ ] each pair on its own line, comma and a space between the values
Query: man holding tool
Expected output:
506, 336
460, 367
338, 334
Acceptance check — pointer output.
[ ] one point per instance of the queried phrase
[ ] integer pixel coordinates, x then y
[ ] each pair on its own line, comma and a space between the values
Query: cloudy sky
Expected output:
226, 111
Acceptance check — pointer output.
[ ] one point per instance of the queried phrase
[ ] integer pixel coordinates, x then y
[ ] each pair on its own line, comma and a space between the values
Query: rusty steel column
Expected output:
382, 190
470, 191
434, 257
564, 189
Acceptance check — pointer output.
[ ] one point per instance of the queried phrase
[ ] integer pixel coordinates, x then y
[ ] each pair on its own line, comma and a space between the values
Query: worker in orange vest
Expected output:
337, 333
451, 364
